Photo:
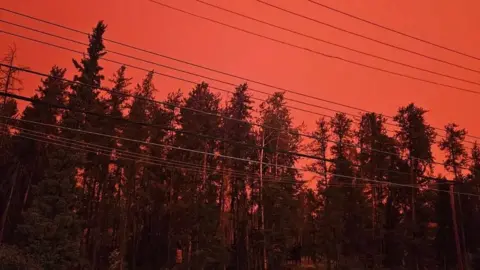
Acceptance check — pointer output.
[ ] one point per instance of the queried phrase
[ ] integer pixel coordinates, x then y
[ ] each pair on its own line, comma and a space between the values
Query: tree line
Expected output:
110, 180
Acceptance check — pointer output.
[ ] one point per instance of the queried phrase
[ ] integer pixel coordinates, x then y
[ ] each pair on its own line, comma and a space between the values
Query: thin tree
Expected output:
456, 154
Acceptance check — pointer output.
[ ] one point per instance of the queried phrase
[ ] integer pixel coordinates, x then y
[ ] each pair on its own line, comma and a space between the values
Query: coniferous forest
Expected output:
106, 178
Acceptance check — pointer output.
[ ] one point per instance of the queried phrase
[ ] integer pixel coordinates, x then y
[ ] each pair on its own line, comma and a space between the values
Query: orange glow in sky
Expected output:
147, 25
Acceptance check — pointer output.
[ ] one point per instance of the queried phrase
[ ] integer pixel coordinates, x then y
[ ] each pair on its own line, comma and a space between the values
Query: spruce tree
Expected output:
133, 189
456, 158
9, 168
416, 138
280, 200
235, 186
319, 147
197, 208
32, 154
110, 201
156, 249
51, 230
375, 161
346, 208
29, 158
92, 168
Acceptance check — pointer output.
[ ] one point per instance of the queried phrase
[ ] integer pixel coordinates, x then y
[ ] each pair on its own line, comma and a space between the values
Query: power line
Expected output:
369, 38
162, 74
320, 53
107, 151
332, 174
187, 62
165, 66
395, 31
115, 151
211, 69
198, 169
176, 147
19, 97
198, 135
323, 54
92, 149
170, 105
193, 82
336, 44
123, 153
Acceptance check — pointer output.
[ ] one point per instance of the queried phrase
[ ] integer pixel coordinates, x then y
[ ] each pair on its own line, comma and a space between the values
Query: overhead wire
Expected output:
123, 153
131, 156
319, 52
19, 97
169, 105
258, 147
344, 47
369, 38
97, 151
193, 82
336, 44
395, 31
204, 67
156, 72
186, 62
135, 159
106, 151
168, 67
181, 148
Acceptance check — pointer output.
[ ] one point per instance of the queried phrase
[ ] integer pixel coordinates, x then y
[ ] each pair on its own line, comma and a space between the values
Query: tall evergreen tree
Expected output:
375, 161
156, 248
456, 158
9, 82
280, 200
416, 138
197, 202
345, 206
319, 148
239, 107
109, 206
92, 169
51, 231
133, 188
29, 158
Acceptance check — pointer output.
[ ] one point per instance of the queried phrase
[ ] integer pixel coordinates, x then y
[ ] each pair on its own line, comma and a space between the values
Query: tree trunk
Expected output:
462, 233
459, 229
7, 207
414, 212
455, 229
262, 218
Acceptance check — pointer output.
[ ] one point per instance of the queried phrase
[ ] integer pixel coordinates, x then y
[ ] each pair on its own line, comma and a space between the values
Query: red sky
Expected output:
147, 25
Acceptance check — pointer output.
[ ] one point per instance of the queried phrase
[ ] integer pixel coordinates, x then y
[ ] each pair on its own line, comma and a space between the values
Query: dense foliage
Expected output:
110, 180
